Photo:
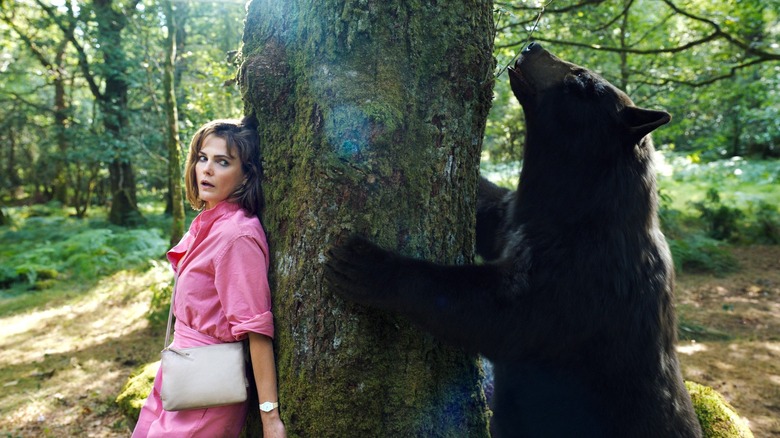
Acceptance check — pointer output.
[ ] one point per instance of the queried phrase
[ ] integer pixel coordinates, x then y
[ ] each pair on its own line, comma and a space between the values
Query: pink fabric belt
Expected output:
185, 337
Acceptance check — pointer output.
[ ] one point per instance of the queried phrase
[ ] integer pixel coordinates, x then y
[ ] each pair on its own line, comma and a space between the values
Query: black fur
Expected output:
574, 306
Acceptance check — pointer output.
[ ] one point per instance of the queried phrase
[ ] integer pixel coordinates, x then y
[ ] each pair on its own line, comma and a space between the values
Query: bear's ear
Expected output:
641, 122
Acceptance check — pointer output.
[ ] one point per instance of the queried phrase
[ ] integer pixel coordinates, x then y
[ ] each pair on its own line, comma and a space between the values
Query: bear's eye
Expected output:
578, 81
584, 83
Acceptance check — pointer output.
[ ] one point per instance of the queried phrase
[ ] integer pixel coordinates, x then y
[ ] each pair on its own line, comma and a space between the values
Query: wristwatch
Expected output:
268, 406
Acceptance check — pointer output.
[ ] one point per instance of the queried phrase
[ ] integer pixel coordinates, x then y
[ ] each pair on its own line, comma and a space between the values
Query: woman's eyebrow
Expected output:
230, 157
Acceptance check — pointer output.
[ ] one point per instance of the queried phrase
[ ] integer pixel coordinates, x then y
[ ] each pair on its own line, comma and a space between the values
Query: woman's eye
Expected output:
224, 163
202, 158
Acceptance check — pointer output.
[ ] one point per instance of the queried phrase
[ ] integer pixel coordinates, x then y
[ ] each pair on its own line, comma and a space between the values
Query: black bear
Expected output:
574, 304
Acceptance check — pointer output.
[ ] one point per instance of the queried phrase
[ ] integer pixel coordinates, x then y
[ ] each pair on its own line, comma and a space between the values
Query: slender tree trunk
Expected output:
371, 121
13, 178
61, 126
174, 169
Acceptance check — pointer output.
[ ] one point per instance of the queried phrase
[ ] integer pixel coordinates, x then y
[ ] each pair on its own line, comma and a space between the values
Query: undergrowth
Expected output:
43, 246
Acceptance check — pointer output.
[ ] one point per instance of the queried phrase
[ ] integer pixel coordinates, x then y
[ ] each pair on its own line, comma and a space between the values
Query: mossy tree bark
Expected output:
371, 121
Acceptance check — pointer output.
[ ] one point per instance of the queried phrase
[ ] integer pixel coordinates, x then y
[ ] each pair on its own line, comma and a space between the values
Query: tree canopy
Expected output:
713, 64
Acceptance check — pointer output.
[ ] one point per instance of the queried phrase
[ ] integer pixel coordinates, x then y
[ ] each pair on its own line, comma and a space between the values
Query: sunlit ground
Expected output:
735, 343
62, 366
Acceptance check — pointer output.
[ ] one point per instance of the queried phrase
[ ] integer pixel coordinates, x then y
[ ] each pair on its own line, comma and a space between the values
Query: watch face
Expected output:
267, 406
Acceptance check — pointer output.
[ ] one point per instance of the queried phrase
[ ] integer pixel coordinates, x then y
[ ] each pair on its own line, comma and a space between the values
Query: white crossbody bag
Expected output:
202, 377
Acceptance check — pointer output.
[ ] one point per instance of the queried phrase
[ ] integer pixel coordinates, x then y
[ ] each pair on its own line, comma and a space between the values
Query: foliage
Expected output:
46, 247
54, 72
721, 87
765, 226
733, 199
713, 65
160, 304
721, 220
699, 253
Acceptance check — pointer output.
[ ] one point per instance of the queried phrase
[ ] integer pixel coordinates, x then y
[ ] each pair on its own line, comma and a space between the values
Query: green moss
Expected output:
718, 419
361, 108
43, 284
137, 388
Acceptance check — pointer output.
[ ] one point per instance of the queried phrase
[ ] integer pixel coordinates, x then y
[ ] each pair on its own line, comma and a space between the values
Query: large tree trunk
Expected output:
371, 121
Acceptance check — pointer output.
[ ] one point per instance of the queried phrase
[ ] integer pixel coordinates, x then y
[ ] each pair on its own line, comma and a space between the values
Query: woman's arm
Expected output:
261, 350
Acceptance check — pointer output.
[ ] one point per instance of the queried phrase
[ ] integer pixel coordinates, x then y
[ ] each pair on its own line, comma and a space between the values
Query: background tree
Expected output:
56, 145
174, 167
54, 65
710, 64
112, 19
370, 123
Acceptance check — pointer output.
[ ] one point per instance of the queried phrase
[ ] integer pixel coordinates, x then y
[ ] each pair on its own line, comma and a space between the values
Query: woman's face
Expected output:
217, 172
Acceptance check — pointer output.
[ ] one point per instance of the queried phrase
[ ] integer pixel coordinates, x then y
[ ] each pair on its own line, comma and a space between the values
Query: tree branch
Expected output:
82, 55
768, 56
717, 33
732, 72
619, 49
36, 51
38, 107
563, 10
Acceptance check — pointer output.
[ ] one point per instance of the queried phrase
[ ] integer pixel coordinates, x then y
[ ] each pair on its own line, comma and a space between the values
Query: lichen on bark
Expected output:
371, 120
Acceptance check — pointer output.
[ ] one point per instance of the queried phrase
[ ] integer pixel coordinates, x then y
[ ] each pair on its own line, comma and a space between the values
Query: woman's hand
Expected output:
272, 425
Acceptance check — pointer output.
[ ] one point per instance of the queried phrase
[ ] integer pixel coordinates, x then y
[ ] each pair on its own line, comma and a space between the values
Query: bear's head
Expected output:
587, 149
575, 101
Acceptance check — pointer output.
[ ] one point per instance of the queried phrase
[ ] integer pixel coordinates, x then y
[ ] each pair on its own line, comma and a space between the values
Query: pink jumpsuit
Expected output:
222, 294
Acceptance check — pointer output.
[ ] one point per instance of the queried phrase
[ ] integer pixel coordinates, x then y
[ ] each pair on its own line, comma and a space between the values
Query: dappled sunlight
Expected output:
62, 366
115, 306
65, 393
745, 373
691, 348
735, 321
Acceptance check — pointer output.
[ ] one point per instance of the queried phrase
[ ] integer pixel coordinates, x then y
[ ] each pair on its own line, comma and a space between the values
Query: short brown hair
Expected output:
241, 138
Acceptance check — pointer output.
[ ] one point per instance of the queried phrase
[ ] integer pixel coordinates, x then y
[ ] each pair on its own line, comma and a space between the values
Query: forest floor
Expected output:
62, 364
732, 326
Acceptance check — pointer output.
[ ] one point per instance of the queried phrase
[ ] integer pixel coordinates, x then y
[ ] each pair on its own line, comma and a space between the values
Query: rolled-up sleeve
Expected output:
241, 280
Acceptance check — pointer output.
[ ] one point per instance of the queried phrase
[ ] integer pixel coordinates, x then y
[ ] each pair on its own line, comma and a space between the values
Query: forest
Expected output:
100, 98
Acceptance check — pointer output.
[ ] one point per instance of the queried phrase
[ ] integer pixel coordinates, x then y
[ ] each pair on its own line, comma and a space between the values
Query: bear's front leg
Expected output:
462, 305
362, 272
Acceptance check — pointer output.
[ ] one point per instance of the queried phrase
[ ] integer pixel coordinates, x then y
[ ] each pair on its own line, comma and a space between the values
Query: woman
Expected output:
222, 292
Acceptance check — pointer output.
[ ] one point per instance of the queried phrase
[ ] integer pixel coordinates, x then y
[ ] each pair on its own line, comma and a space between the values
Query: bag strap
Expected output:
173, 294
170, 315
